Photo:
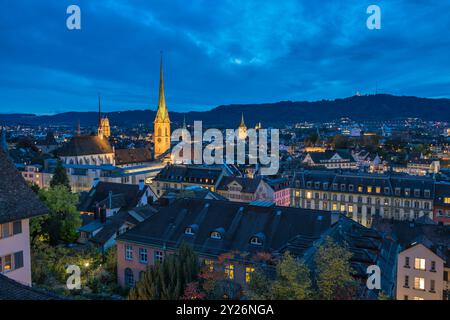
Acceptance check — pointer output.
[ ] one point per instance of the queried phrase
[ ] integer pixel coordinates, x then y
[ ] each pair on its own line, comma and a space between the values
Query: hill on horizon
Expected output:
366, 107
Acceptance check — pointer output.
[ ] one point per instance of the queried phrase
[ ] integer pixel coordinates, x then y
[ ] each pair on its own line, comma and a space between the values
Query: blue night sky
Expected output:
217, 52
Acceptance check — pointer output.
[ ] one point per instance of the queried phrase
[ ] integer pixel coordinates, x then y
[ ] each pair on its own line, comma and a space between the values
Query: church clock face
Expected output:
159, 139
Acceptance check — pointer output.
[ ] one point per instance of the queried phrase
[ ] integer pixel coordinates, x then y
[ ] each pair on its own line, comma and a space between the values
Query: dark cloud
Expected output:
217, 52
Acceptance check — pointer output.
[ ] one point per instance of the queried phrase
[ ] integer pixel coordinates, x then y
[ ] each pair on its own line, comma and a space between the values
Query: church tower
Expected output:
161, 125
104, 130
242, 130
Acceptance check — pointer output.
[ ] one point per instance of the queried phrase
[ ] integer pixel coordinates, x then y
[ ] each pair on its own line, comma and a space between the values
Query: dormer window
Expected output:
256, 241
216, 235
191, 230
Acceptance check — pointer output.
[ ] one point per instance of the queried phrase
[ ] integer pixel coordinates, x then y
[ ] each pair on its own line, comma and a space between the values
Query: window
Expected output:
308, 195
432, 285
447, 200
209, 264
216, 235
406, 262
128, 252
189, 231
369, 189
158, 256
11, 262
360, 188
406, 284
377, 189
143, 257
229, 271
419, 264
350, 208
256, 241
405, 298
433, 266
248, 274
419, 283
418, 298
129, 277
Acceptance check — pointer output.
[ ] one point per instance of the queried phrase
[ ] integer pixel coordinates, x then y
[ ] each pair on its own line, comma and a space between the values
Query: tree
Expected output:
63, 220
60, 177
334, 273
168, 280
293, 280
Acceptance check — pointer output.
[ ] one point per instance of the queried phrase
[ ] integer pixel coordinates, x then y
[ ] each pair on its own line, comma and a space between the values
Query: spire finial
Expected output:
162, 114
242, 120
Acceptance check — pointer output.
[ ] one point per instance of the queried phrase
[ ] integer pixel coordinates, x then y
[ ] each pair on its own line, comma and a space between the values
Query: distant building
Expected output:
281, 191
245, 189
330, 160
18, 203
363, 196
183, 176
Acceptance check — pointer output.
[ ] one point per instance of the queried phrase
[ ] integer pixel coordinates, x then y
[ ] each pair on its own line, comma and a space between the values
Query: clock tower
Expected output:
161, 125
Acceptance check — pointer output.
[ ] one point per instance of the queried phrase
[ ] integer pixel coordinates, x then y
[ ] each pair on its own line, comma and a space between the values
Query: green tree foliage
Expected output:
49, 263
333, 270
62, 222
168, 280
60, 177
293, 280
331, 279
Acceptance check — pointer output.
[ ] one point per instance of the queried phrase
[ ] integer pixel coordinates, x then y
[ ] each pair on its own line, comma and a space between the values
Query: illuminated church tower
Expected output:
104, 130
242, 130
161, 127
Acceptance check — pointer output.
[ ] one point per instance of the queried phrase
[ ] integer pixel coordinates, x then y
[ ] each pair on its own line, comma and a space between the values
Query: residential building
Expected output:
281, 191
441, 207
330, 160
363, 196
245, 189
18, 203
214, 228
183, 176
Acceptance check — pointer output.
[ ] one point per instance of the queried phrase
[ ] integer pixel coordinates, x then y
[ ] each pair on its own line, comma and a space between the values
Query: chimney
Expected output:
102, 215
95, 182
110, 199
141, 185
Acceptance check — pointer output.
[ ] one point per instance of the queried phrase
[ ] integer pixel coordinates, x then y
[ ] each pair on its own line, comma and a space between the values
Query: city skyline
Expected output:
312, 53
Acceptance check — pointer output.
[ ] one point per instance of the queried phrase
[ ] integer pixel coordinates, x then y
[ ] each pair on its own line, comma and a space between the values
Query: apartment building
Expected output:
18, 203
245, 189
362, 196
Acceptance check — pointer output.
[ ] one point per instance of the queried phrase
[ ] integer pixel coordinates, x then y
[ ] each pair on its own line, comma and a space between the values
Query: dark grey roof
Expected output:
125, 195
248, 185
12, 290
17, 200
187, 173
335, 181
238, 221
130, 156
85, 145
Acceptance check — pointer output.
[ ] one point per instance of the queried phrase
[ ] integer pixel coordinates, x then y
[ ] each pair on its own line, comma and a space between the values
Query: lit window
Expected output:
248, 274
419, 283
334, 207
418, 298
342, 207
360, 189
308, 195
229, 271
369, 189
377, 189
210, 265
419, 264
447, 200
350, 209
